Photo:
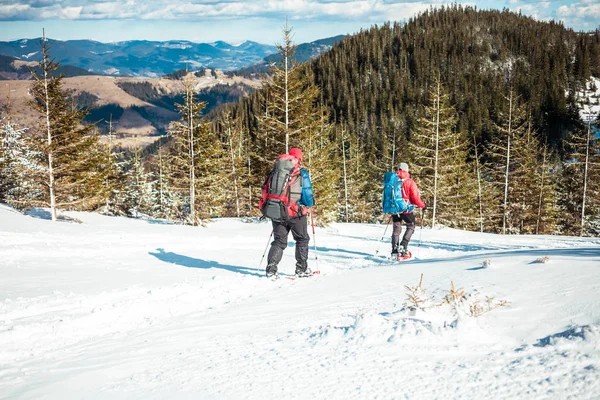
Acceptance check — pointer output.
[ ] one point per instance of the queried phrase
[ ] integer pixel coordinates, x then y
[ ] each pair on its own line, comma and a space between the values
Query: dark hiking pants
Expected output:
410, 220
281, 231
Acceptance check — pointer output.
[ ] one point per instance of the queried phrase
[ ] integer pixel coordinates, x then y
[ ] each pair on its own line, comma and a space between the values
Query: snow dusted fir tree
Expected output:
73, 157
486, 208
507, 152
115, 182
135, 198
351, 188
532, 191
440, 160
196, 158
294, 118
547, 212
163, 203
580, 182
17, 166
238, 202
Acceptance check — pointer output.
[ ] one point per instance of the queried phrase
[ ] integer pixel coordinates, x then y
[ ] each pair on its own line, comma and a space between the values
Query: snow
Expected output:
589, 100
112, 71
29, 54
100, 307
180, 46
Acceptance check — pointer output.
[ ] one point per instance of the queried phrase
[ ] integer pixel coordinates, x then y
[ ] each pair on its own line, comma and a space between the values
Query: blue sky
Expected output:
237, 20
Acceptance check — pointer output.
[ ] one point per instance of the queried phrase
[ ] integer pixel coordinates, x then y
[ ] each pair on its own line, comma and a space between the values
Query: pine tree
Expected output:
135, 198
503, 162
531, 183
354, 205
440, 163
580, 182
235, 142
74, 159
114, 182
197, 172
18, 164
163, 203
294, 118
547, 189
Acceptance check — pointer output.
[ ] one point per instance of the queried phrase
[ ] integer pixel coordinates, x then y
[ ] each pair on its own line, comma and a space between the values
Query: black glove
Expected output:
424, 208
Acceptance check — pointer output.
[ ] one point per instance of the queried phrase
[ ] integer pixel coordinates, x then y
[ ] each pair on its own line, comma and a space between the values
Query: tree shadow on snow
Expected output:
331, 250
475, 268
581, 332
189, 262
41, 213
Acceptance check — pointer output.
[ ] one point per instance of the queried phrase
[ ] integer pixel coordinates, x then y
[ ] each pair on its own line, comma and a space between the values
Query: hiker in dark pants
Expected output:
299, 204
281, 230
410, 193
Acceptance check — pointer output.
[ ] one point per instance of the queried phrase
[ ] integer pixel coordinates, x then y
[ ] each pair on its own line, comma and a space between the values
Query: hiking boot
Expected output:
272, 271
272, 275
394, 251
303, 273
403, 251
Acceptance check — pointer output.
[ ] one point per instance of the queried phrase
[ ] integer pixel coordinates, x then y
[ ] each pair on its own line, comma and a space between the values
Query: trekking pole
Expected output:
265, 252
384, 232
312, 222
421, 231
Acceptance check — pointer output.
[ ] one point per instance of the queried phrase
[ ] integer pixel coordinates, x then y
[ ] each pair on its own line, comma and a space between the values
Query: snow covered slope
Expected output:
131, 309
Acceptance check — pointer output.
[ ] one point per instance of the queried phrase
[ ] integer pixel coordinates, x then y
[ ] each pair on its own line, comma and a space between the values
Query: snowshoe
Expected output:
272, 275
402, 256
305, 274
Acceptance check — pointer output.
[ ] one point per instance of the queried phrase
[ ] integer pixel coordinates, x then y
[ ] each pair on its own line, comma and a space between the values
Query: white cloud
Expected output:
71, 12
12, 10
583, 14
194, 9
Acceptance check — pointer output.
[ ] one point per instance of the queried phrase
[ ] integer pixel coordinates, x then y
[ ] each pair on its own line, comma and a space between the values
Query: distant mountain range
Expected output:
148, 58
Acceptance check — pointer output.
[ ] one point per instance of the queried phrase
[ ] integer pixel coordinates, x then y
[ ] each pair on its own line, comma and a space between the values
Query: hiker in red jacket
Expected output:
410, 193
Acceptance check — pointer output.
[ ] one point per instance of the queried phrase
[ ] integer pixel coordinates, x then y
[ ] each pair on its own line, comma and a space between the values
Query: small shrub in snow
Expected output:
454, 295
417, 298
470, 304
543, 260
478, 307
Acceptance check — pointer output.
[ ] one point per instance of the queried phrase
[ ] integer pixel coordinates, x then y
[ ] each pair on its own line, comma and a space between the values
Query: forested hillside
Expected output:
382, 88
494, 112
375, 81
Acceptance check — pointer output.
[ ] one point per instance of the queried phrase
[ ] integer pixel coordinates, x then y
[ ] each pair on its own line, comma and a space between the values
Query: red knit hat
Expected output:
296, 152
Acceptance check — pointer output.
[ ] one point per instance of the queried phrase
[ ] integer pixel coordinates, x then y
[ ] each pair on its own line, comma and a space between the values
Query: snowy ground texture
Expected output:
131, 309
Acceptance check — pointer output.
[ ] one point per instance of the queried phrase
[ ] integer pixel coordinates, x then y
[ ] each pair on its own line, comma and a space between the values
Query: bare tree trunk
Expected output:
49, 131
192, 156
435, 166
287, 103
161, 193
539, 217
345, 178
394, 150
585, 173
235, 187
249, 173
479, 194
108, 158
505, 205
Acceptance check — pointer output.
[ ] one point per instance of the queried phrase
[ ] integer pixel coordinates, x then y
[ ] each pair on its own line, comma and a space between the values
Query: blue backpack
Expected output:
393, 203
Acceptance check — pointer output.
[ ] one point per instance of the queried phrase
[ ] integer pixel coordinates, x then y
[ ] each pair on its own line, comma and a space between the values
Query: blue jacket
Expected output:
306, 199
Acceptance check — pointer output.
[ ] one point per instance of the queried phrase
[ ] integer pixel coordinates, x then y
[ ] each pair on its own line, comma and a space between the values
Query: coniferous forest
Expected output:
484, 106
